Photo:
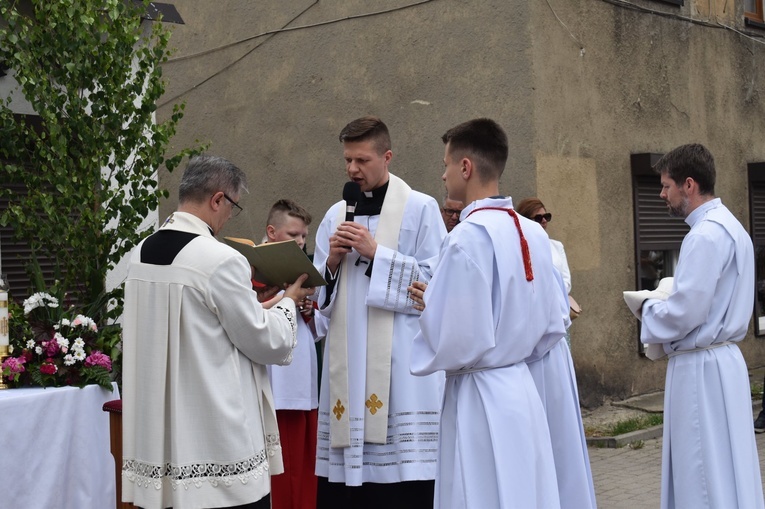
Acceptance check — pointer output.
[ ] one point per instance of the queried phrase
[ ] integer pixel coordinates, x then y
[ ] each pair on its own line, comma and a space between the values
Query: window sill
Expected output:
754, 23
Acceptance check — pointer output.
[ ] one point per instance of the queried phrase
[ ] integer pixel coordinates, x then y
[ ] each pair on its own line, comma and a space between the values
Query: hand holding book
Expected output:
278, 263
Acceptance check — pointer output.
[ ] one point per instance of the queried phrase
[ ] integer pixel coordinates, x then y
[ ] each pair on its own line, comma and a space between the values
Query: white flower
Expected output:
10, 348
61, 340
31, 344
65, 322
84, 321
69, 360
39, 299
38, 350
79, 344
78, 354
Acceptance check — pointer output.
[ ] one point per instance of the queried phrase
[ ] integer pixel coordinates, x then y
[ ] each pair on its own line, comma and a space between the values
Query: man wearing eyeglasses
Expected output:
198, 415
450, 211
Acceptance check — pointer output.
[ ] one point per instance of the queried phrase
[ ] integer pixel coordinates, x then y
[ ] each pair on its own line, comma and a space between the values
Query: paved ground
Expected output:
629, 478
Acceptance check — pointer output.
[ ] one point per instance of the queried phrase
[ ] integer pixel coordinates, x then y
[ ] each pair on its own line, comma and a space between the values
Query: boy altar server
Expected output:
378, 424
295, 387
493, 297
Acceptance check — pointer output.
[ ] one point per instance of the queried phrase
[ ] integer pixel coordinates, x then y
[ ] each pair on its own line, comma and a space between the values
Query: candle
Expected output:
4, 339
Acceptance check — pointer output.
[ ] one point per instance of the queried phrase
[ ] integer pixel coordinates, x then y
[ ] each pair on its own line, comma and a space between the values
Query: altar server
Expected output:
552, 368
492, 299
199, 422
295, 387
709, 457
378, 424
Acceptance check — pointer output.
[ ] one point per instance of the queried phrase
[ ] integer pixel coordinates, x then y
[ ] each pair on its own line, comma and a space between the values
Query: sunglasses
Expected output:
538, 218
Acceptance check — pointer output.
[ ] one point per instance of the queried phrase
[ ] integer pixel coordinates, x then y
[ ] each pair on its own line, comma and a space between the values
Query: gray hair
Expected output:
207, 175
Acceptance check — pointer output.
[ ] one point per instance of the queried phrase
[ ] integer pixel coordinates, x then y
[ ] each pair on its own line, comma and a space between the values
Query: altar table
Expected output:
54, 448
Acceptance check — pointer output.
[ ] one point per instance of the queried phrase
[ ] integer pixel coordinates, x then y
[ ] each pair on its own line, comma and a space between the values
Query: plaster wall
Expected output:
616, 81
579, 85
277, 112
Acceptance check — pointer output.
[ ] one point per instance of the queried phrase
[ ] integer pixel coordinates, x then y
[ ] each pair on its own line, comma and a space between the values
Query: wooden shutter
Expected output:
656, 229
757, 203
15, 255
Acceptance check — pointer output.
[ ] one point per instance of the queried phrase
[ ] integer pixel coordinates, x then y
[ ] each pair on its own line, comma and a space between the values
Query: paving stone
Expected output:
627, 478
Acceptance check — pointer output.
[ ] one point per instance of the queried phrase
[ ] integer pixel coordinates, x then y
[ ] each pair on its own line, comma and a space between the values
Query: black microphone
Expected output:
351, 194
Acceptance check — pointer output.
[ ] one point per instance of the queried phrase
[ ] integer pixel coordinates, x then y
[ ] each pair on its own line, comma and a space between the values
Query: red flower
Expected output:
48, 368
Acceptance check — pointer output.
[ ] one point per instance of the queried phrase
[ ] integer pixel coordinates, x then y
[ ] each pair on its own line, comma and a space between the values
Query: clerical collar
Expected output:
370, 203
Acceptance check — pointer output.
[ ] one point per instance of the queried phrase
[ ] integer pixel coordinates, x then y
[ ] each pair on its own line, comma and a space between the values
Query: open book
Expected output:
277, 263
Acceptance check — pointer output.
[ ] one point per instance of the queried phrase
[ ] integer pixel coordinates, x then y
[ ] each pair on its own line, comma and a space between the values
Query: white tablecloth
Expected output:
54, 449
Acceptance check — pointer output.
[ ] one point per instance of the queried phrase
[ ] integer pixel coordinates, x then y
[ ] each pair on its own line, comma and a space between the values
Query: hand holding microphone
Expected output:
350, 235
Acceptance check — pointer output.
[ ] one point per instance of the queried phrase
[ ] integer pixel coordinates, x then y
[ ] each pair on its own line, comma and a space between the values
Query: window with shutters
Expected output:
658, 236
756, 173
16, 255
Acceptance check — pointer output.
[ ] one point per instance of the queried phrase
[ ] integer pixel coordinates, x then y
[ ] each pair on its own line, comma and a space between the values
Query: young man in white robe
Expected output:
198, 417
709, 457
493, 298
295, 386
378, 424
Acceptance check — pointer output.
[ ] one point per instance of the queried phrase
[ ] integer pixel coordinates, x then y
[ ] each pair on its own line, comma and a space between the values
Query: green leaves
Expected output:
89, 165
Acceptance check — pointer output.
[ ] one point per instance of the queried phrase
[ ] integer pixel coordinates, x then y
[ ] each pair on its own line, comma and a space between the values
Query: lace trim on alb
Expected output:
293, 326
146, 475
290, 317
273, 444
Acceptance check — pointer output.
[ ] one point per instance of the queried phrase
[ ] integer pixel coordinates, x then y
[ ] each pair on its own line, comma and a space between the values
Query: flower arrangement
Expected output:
53, 348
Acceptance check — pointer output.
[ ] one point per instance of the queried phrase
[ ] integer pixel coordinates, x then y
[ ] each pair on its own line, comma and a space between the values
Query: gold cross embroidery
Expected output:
339, 410
374, 404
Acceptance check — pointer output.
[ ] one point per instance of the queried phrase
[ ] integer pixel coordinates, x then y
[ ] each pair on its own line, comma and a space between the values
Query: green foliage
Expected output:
624, 426
636, 423
96, 375
92, 73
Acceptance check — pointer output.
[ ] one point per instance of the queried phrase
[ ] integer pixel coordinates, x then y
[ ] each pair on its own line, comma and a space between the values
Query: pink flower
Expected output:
99, 359
51, 349
48, 368
14, 365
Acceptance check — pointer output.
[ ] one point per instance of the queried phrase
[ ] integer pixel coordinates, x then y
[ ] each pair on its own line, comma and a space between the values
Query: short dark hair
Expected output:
290, 208
367, 128
206, 175
528, 206
485, 141
692, 160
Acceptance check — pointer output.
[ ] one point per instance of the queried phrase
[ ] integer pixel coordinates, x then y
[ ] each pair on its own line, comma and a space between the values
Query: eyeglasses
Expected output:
538, 218
451, 212
235, 204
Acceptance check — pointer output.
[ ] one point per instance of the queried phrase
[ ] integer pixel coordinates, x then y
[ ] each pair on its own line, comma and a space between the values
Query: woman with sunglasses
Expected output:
534, 209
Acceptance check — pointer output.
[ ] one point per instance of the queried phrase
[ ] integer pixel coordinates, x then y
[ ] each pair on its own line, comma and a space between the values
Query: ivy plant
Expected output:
87, 165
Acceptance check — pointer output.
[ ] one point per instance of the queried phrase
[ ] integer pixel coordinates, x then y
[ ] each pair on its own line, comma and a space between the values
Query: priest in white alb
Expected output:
378, 424
492, 299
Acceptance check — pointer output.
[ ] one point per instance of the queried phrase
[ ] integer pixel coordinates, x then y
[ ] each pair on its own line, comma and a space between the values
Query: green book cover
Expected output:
277, 263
